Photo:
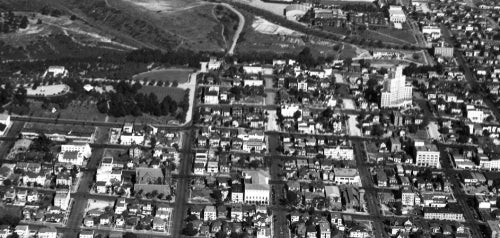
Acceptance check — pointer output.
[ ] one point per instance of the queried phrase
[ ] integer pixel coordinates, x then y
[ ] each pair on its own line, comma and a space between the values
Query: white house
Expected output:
47, 232
23, 231
87, 234
56, 71
5, 123
254, 81
209, 213
252, 69
475, 115
61, 199
71, 157
133, 138
287, 110
83, 148
347, 176
212, 64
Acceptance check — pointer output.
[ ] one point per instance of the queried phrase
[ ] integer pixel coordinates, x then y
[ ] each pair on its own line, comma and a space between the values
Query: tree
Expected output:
306, 58
13, 235
24, 23
348, 62
217, 196
153, 142
35, 85
129, 235
175, 83
383, 71
191, 218
73, 17
377, 130
189, 230
297, 115
7, 182
416, 56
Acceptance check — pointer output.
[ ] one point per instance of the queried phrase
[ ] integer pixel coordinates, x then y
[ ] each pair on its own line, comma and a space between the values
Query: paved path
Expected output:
241, 24
191, 85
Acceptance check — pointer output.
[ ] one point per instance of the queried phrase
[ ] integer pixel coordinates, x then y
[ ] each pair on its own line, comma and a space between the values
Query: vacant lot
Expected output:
170, 75
175, 93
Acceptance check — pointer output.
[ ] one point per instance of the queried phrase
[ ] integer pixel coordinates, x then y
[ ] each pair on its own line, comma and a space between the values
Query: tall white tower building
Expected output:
396, 93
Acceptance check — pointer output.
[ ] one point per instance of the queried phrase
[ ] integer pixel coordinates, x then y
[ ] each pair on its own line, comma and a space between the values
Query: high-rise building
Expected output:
396, 93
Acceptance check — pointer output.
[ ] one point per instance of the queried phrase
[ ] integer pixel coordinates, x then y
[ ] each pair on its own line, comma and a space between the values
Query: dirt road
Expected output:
241, 24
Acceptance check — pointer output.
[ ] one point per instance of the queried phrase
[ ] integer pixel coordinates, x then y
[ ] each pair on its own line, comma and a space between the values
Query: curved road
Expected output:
241, 24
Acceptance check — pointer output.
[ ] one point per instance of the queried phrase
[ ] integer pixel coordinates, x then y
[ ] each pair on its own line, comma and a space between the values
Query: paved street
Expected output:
180, 211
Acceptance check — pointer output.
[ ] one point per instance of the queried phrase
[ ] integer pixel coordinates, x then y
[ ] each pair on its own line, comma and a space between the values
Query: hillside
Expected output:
91, 27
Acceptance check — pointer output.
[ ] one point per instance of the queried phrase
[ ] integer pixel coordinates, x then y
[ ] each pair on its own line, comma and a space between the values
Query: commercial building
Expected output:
433, 31
396, 14
61, 199
347, 176
83, 148
396, 92
427, 155
450, 213
339, 152
409, 197
256, 186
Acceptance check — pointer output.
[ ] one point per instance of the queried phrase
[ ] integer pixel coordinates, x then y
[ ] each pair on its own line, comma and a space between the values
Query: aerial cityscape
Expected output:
249, 118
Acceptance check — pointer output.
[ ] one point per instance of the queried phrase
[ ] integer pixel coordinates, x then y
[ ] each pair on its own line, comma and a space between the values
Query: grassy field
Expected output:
11, 210
79, 110
175, 93
405, 35
170, 75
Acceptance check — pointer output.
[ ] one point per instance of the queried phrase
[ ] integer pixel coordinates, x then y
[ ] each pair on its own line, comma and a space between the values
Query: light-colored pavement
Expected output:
352, 129
191, 85
352, 123
241, 24
339, 78
272, 124
348, 103
432, 130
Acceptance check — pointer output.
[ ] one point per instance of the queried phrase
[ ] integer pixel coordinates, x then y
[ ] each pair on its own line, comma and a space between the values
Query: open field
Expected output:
79, 110
176, 94
128, 24
190, 22
404, 34
15, 211
170, 75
